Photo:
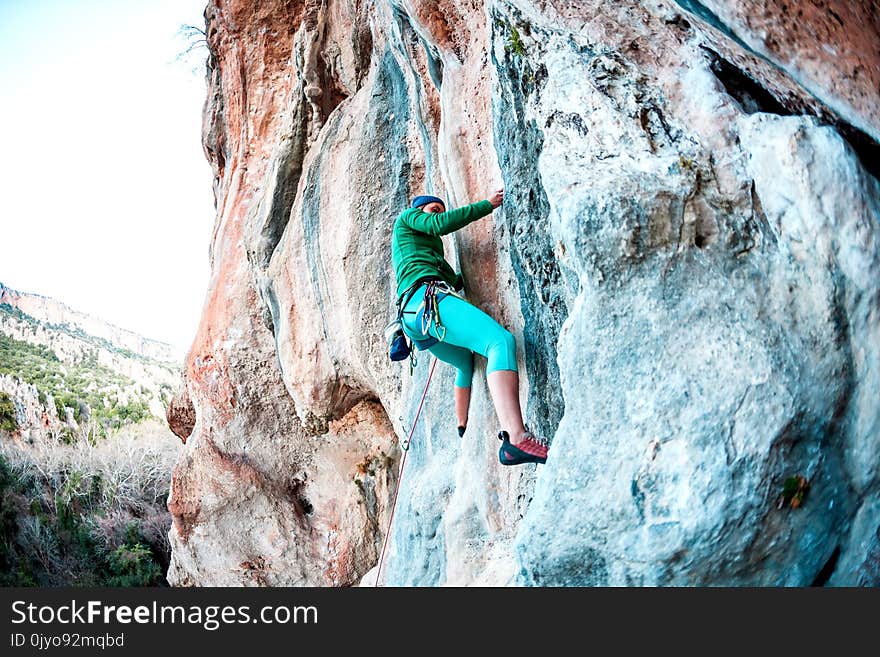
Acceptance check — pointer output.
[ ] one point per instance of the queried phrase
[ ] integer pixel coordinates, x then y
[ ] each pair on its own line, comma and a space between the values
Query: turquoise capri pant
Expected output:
468, 330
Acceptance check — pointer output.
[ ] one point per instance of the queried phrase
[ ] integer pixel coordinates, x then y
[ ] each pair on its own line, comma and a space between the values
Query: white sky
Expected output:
106, 194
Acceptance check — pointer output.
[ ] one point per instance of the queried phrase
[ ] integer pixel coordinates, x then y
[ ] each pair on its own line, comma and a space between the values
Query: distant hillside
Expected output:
64, 372
58, 315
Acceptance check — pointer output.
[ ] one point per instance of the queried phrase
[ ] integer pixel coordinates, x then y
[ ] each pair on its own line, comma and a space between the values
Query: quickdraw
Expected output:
413, 361
431, 316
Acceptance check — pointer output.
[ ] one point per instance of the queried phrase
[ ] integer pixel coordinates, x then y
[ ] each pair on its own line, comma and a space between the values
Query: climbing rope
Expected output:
402, 466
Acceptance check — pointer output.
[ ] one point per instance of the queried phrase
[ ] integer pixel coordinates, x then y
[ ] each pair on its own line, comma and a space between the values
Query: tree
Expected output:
196, 40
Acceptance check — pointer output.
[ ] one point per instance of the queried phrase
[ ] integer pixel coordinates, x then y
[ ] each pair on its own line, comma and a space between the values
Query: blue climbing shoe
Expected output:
529, 450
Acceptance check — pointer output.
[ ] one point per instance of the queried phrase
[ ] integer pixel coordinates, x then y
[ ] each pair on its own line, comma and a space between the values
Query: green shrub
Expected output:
8, 421
133, 565
514, 42
14, 570
62, 547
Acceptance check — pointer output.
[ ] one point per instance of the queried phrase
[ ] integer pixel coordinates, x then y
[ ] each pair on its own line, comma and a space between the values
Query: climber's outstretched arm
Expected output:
442, 223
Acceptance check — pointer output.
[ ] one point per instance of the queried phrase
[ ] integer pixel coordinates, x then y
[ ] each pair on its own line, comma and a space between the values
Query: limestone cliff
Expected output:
687, 254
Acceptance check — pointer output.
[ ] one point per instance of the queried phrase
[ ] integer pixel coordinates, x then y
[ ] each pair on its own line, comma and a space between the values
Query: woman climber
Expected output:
439, 320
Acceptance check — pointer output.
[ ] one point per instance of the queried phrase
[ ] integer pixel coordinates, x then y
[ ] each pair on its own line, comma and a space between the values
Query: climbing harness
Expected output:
427, 315
406, 445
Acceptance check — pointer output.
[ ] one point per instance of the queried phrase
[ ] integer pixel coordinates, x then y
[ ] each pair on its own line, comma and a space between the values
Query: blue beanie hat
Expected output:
424, 200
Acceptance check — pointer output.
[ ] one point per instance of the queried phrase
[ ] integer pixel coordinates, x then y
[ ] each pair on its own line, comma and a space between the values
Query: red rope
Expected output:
400, 476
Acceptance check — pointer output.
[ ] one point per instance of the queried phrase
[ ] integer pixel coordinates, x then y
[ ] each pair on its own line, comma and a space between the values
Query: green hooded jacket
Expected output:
416, 247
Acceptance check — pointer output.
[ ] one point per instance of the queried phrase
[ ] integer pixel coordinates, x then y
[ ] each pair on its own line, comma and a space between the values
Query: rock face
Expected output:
687, 254
35, 420
828, 47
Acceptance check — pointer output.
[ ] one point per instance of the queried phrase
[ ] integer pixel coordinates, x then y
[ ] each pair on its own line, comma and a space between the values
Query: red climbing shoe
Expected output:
529, 450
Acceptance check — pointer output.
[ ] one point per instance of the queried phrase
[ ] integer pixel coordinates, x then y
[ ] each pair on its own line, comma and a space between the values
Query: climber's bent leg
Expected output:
463, 361
469, 327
